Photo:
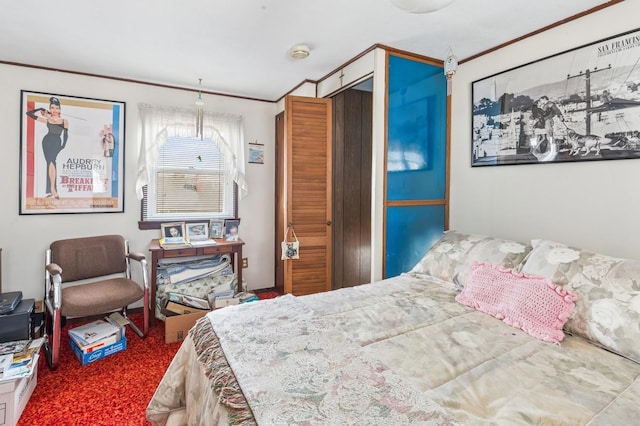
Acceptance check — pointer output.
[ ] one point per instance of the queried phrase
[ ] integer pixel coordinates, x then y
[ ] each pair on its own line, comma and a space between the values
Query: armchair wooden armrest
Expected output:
137, 256
54, 269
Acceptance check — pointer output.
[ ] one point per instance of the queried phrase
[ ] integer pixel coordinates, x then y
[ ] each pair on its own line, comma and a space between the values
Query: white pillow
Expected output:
450, 260
607, 288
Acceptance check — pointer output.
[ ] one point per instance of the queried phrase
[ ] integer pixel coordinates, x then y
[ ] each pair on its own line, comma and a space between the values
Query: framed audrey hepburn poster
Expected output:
71, 154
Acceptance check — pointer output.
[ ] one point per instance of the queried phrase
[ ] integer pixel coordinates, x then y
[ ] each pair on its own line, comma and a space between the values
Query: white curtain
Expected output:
157, 123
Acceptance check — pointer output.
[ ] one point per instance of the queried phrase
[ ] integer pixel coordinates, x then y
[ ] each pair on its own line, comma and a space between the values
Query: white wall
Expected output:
592, 205
24, 239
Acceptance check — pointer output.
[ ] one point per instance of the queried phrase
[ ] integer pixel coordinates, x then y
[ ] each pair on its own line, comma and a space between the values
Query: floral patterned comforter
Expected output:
399, 351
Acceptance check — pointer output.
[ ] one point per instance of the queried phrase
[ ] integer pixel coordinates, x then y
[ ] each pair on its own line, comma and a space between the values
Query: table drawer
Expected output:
214, 249
180, 252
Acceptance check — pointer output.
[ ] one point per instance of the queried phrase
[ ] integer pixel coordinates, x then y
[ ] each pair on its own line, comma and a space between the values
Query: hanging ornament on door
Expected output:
450, 68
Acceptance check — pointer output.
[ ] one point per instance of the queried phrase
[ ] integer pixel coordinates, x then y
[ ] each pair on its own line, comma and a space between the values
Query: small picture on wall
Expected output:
256, 153
231, 229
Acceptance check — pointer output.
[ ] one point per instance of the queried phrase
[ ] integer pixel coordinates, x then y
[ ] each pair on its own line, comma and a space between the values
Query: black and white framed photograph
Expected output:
579, 105
173, 233
216, 228
198, 231
231, 227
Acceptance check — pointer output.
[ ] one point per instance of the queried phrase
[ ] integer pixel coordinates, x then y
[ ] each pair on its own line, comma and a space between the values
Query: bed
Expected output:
482, 331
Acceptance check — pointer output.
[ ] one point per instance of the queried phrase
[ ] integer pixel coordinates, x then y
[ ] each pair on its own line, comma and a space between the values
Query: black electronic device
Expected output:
9, 301
17, 324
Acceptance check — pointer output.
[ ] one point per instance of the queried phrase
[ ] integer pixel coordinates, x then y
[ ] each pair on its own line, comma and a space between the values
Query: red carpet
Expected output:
267, 294
112, 391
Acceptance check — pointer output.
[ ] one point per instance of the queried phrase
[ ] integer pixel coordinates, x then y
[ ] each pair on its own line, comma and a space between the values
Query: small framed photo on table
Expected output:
231, 229
216, 228
198, 231
173, 232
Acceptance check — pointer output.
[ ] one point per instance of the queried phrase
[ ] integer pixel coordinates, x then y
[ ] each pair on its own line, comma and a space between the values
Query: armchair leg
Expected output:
145, 326
52, 339
145, 317
136, 329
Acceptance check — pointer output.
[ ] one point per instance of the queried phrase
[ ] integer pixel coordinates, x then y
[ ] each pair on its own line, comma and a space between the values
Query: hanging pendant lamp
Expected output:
199, 112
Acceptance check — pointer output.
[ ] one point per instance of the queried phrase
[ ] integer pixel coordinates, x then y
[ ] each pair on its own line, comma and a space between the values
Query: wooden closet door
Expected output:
352, 149
307, 199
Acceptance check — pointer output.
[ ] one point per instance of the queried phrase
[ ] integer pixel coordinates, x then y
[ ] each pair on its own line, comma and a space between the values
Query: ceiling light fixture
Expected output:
299, 51
421, 6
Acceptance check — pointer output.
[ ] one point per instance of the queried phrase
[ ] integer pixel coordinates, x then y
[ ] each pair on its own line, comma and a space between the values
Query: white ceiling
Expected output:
239, 47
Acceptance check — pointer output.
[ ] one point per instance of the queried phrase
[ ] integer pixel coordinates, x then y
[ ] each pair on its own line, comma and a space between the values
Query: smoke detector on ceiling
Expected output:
299, 51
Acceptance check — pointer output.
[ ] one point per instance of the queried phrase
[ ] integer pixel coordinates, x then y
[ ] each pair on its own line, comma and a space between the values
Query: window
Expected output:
189, 181
184, 177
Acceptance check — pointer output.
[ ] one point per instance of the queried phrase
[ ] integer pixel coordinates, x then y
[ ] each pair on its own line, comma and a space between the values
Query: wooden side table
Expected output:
157, 252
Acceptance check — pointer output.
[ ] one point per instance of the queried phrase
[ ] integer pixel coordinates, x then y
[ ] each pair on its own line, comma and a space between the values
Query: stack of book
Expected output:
18, 359
98, 339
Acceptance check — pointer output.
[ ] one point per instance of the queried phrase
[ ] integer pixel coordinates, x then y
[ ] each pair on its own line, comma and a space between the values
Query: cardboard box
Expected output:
102, 343
177, 326
99, 353
180, 309
14, 396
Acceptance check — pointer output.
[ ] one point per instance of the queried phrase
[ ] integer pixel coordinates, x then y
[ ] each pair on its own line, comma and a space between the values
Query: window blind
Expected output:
189, 180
